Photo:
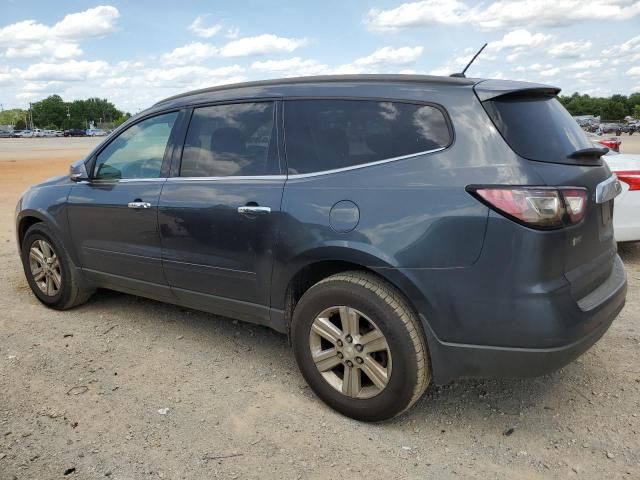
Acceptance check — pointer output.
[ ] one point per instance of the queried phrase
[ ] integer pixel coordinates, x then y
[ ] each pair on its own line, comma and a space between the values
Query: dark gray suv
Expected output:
402, 230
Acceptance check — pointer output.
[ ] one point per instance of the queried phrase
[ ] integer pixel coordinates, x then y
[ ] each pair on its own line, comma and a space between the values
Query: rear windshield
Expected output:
538, 128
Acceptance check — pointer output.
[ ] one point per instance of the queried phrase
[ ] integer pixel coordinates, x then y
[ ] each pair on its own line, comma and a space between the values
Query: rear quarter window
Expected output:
537, 127
323, 135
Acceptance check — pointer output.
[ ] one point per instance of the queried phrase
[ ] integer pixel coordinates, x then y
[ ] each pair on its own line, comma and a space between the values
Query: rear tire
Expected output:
53, 278
355, 318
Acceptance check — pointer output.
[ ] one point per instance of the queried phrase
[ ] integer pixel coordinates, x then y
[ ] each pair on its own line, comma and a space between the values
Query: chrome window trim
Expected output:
124, 180
364, 165
229, 177
311, 174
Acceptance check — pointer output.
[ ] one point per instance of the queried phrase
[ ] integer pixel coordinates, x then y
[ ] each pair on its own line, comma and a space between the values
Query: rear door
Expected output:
114, 217
219, 213
539, 129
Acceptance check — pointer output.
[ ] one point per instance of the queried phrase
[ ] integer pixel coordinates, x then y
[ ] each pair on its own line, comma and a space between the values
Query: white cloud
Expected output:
584, 65
72, 70
41, 86
519, 38
634, 72
500, 14
630, 47
95, 22
536, 67
22, 33
201, 30
550, 72
415, 14
391, 56
195, 52
290, 66
52, 48
261, 45
29, 39
232, 33
551, 13
570, 49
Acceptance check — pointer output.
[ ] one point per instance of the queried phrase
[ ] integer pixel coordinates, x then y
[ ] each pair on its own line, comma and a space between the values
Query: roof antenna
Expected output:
462, 74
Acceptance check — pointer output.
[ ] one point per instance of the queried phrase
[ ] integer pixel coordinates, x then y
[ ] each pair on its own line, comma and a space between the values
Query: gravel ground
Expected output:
128, 388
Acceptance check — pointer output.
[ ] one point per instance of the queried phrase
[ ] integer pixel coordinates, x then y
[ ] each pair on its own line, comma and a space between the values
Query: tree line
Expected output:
613, 108
53, 113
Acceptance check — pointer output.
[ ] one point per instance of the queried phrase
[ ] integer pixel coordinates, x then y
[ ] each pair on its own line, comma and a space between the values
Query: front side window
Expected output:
231, 140
330, 134
137, 152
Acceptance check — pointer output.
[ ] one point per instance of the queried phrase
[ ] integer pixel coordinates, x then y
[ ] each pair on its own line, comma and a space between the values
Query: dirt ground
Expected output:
81, 391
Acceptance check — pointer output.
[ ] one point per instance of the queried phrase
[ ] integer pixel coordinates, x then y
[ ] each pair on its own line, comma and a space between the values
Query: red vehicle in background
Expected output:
612, 143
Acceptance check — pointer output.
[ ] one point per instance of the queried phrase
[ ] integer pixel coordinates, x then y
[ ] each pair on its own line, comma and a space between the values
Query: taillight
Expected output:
611, 143
631, 178
537, 207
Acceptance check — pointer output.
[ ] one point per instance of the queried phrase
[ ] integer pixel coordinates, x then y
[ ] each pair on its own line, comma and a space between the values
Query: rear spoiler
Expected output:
491, 89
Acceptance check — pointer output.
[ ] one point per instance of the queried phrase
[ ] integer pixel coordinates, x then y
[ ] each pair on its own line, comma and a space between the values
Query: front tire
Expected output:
360, 347
53, 278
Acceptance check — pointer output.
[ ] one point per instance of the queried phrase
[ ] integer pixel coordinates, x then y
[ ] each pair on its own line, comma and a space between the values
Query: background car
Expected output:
616, 128
5, 134
612, 143
96, 132
626, 213
25, 134
75, 132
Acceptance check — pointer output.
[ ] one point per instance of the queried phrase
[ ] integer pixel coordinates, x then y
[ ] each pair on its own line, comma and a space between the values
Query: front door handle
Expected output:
138, 205
254, 210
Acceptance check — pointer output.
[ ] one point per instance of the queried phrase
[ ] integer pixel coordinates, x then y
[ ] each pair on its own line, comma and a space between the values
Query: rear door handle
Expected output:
254, 210
138, 205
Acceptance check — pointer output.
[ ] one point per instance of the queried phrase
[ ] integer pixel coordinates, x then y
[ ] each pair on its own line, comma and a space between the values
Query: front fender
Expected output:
47, 204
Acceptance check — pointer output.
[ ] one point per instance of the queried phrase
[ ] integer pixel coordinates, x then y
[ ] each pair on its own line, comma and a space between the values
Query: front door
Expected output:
218, 217
113, 218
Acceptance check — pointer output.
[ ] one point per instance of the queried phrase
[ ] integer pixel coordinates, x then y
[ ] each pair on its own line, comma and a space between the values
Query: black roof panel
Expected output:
319, 79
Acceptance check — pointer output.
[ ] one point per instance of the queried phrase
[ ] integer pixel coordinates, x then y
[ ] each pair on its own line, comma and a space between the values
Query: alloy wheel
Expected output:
350, 352
45, 267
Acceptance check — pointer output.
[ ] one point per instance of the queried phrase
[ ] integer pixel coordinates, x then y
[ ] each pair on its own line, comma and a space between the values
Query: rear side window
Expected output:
537, 127
231, 140
330, 134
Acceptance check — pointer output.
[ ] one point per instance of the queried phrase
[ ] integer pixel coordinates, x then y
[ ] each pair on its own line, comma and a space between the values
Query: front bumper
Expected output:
455, 360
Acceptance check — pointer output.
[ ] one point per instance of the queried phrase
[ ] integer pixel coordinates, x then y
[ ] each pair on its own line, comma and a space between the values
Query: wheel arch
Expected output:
304, 271
24, 223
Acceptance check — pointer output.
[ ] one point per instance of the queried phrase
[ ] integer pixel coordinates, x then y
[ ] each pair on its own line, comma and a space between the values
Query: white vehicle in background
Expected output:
37, 132
25, 134
49, 133
626, 212
96, 132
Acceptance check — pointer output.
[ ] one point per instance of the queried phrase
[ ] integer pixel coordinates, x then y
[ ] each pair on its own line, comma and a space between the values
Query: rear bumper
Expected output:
452, 360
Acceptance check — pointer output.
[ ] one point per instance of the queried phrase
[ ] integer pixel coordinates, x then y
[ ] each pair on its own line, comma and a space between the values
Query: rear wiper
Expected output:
592, 152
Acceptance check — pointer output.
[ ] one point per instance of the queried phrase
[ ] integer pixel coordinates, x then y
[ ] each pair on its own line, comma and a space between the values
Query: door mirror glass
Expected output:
78, 171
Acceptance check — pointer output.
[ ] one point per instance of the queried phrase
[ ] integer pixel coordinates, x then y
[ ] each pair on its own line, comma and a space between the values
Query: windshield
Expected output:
537, 127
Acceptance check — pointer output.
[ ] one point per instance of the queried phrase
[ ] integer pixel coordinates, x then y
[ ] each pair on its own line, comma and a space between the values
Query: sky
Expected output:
136, 53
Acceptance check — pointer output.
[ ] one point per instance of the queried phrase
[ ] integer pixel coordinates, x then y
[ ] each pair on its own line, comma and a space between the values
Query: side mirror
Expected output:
78, 171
